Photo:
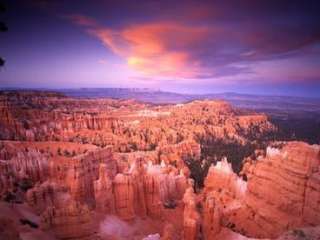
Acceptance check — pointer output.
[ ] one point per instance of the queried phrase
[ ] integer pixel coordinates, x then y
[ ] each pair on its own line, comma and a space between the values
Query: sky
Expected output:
246, 46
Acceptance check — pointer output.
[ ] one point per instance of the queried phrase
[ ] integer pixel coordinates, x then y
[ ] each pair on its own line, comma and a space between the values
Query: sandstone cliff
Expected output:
78, 161
281, 192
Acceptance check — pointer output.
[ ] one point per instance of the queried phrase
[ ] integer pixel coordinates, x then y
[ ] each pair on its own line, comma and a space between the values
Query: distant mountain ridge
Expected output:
249, 101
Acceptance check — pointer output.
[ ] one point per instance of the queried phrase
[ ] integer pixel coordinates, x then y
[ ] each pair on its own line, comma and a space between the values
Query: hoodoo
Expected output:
100, 169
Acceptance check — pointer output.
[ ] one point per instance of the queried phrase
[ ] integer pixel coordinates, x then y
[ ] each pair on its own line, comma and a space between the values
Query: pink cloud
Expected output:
159, 49
194, 50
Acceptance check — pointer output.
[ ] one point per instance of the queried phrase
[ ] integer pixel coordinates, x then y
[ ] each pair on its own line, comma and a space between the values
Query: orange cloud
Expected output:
194, 50
159, 49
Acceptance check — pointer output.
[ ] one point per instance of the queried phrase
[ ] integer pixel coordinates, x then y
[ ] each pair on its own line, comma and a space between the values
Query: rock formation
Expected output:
8, 230
168, 232
124, 196
40, 197
191, 217
282, 191
311, 207
103, 191
211, 218
223, 182
76, 161
69, 220
278, 187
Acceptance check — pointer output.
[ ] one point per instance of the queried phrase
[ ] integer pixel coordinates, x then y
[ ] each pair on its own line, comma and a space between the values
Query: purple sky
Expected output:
249, 46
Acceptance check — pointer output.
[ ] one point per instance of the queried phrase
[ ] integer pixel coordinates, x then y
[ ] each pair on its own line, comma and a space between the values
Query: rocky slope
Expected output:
281, 191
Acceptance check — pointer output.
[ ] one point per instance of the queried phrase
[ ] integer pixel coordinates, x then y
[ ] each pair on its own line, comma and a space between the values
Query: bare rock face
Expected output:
79, 173
65, 202
30, 164
168, 232
311, 208
176, 154
222, 182
281, 193
80, 179
211, 218
138, 172
124, 196
223, 194
191, 217
152, 186
40, 197
70, 220
8, 230
246, 123
279, 190
23, 165
164, 188
145, 189
103, 191
84, 171
301, 233
21, 169
6, 178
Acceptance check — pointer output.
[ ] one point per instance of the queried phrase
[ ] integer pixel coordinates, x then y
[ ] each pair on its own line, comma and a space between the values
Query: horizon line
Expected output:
48, 89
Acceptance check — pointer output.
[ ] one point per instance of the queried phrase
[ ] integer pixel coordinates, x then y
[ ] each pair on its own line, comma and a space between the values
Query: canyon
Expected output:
102, 168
